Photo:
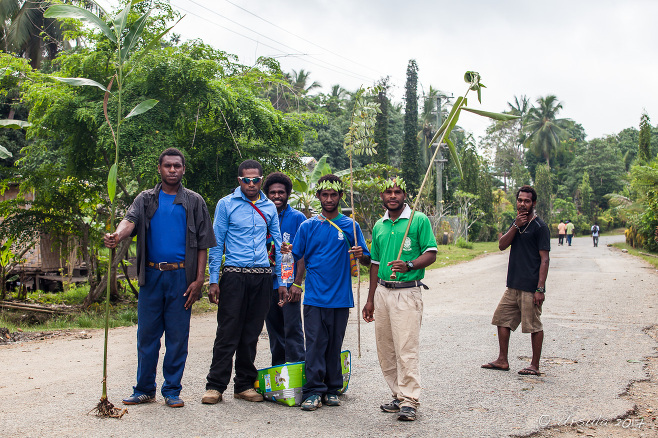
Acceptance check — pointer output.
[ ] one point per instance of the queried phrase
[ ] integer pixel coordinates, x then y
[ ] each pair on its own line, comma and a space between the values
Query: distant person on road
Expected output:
398, 303
526, 281
174, 232
325, 243
561, 232
284, 324
570, 231
243, 221
595, 234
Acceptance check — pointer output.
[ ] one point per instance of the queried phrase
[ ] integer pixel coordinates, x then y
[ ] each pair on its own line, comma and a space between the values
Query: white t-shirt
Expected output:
595, 230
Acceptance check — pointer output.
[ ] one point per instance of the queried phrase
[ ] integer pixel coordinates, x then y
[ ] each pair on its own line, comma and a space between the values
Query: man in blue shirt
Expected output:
173, 232
243, 221
284, 324
325, 243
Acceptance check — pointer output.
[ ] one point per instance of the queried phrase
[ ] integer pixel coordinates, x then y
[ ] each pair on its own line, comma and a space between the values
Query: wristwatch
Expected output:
410, 265
541, 289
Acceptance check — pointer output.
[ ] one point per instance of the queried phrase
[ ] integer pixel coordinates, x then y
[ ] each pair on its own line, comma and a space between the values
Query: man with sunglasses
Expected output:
243, 221
173, 232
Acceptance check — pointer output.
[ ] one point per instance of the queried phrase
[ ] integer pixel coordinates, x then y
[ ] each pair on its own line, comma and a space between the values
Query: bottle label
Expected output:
286, 272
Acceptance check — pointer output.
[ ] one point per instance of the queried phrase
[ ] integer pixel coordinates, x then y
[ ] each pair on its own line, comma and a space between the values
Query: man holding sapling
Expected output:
325, 242
398, 302
174, 231
244, 222
526, 282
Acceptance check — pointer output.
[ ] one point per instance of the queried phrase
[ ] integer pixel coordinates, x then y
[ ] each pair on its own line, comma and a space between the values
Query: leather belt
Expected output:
255, 270
164, 266
401, 284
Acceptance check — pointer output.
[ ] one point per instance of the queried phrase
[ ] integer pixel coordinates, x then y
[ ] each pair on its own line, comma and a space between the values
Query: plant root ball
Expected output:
106, 409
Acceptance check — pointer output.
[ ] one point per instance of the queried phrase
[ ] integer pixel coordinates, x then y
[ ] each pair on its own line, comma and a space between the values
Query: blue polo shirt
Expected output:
165, 239
289, 220
241, 234
325, 252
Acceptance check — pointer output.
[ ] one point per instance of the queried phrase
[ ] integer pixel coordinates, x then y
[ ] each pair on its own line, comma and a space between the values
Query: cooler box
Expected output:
283, 383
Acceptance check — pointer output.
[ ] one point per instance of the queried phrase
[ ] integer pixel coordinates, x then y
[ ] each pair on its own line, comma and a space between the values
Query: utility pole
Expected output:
438, 162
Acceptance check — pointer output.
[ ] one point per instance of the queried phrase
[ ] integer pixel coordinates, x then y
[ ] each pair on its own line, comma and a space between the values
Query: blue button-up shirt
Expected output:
241, 234
290, 220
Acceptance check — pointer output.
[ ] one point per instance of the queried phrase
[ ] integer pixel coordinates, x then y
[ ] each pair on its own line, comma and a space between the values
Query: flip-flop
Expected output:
529, 372
492, 366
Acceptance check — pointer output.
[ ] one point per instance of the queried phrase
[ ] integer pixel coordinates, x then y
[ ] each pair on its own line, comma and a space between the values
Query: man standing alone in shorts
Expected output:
526, 281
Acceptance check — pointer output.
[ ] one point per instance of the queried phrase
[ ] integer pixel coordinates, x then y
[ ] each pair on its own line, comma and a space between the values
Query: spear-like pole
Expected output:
443, 131
358, 140
473, 80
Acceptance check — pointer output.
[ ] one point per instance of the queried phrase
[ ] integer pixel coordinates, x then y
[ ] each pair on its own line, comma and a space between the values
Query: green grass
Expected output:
452, 254
635, 252
121, 315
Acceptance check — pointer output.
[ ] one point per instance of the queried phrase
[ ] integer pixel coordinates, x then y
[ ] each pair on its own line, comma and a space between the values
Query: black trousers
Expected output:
244, 300
325, 329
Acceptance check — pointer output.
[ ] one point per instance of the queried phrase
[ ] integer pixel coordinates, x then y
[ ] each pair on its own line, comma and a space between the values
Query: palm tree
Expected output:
25, 31
545, 129
298, 79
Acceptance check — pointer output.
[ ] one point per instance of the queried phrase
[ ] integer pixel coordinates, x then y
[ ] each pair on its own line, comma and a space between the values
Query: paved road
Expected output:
598, 303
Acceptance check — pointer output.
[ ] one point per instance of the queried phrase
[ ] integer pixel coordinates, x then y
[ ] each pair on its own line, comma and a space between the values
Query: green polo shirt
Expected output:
387, 237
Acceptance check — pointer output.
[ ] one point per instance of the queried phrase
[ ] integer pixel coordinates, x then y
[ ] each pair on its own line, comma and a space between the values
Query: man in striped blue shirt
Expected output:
243, 220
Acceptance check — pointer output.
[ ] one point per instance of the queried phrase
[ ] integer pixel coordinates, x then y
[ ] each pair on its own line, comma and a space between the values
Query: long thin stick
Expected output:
358, 268
427, 174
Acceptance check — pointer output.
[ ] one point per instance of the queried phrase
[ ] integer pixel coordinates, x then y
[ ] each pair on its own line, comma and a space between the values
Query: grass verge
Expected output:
452, 254
637, 253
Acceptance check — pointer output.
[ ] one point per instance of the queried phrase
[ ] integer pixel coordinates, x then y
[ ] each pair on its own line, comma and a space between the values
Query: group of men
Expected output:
251, 230
567, 229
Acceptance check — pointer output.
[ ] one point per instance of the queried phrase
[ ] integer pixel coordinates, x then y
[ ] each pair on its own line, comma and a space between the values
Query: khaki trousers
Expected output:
398, 316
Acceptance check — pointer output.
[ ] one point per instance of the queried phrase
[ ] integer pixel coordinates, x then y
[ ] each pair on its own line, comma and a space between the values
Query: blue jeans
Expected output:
569, 237
284, 328
325, 330
161, 309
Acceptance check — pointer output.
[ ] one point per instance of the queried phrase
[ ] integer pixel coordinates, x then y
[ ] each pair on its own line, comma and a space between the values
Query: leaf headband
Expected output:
389, 183
329, 185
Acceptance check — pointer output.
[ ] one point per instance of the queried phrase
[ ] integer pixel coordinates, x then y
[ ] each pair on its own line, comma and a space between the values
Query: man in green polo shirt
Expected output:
398, 301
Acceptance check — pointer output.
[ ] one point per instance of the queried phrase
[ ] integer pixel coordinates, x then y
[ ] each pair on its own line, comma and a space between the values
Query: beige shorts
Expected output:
517, 306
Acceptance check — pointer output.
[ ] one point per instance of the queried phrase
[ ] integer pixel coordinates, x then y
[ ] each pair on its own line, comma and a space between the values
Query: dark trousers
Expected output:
161, 309
325, 330
560, 240
284, 328
569, 237
595, 239
244, 300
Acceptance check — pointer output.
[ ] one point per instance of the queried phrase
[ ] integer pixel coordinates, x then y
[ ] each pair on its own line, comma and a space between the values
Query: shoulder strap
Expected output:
263, 216
347, 240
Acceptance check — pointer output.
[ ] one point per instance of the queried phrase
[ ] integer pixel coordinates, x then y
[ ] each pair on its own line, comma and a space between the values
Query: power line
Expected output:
344, 70
282, 54
302, 38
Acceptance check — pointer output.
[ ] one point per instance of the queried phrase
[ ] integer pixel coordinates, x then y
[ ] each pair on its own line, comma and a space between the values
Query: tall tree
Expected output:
381, 128
644, 144
544, 192
545, 129
410, 160
586, 194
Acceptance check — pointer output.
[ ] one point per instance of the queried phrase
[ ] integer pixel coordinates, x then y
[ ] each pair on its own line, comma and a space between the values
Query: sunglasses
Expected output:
246, 180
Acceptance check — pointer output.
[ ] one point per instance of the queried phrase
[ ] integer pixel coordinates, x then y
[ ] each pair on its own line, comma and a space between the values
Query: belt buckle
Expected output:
160, 266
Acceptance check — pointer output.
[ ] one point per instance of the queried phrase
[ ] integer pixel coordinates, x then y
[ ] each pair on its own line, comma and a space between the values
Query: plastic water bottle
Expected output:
287, 268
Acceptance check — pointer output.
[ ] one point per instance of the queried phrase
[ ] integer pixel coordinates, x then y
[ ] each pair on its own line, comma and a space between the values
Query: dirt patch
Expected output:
7, 337
641, 422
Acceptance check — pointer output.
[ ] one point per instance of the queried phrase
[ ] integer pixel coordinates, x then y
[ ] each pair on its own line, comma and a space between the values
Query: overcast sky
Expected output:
599, 57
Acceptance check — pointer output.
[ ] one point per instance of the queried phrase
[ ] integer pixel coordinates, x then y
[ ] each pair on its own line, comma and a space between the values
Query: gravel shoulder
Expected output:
599, 362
